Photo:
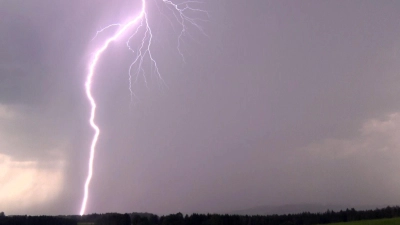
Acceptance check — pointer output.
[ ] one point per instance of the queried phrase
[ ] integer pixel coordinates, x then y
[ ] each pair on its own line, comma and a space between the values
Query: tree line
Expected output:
36, 220
305, 218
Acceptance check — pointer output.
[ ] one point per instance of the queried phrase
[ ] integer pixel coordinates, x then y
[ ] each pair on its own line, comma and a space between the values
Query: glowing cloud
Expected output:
28, 179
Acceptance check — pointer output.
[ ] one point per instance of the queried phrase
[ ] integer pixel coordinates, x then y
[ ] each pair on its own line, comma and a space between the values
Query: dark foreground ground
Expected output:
384, 216
392, 221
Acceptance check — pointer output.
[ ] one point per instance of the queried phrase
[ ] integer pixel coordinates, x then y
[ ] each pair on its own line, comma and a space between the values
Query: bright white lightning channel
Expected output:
178, 10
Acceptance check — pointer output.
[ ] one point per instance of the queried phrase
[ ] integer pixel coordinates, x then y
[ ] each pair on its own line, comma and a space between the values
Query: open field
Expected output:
392, 221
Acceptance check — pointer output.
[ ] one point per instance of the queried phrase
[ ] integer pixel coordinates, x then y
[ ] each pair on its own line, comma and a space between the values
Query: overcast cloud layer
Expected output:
284, 102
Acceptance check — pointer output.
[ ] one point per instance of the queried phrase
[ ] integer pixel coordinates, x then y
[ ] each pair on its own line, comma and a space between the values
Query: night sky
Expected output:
281, 102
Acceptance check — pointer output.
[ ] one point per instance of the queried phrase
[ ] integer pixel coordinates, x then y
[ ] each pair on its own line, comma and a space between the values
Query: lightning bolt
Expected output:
179, 11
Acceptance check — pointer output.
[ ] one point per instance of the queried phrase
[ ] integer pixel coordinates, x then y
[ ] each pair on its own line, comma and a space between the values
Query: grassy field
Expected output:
393, 221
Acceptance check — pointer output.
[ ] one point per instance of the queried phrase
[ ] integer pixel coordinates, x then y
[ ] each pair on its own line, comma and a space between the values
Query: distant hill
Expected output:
299, 208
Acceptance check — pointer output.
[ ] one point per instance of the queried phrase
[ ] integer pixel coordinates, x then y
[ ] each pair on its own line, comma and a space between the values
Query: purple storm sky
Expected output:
284, 102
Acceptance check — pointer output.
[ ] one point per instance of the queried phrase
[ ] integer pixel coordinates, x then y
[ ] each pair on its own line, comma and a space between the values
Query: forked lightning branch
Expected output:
182, 13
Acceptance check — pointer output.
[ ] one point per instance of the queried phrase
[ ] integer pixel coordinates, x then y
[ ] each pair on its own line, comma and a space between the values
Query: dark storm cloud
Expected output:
284, 102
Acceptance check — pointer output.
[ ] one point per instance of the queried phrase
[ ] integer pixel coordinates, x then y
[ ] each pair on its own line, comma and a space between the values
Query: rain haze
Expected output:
281, 102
